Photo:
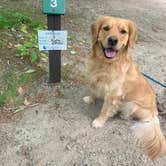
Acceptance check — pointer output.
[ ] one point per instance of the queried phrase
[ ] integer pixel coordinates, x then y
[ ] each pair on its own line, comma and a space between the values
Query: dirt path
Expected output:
59, 133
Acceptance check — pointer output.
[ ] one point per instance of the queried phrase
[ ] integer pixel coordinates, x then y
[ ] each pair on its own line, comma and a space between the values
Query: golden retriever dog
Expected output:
115, 78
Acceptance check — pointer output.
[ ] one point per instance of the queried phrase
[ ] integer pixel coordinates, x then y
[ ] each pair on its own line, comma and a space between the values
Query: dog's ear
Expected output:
132, 34
95, 28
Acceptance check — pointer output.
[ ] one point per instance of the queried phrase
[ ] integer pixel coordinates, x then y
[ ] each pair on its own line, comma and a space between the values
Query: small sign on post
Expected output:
53, 39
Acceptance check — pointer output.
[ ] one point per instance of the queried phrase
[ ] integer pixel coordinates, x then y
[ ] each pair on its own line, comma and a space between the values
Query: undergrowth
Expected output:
24, 26
12, 80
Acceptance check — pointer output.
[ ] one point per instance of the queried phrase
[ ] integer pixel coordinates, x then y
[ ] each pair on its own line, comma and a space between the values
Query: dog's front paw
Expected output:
88, 99
97, 123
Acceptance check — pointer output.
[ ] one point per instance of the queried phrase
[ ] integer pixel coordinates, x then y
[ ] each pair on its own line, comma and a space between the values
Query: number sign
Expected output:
54, 6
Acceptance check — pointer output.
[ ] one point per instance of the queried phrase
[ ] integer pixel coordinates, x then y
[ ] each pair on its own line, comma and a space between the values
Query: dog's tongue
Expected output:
110, 53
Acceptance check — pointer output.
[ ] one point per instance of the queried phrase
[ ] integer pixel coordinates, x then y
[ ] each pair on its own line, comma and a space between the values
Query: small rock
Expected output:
102, 151
72, 52
62, 137
68, 147
94, 154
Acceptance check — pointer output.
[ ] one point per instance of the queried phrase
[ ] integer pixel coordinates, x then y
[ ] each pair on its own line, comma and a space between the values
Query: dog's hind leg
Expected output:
126, 110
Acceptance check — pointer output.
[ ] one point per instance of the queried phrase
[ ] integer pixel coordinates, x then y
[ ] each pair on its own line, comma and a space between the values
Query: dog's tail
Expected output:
150, 137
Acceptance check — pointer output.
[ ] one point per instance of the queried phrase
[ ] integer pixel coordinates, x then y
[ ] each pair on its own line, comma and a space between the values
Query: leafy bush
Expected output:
28, 26
11, 19
30, 46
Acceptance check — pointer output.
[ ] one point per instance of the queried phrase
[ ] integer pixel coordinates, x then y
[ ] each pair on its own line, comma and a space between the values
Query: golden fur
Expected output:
119, 82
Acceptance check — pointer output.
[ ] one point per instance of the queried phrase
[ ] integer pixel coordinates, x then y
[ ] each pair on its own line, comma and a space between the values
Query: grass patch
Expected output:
11, 81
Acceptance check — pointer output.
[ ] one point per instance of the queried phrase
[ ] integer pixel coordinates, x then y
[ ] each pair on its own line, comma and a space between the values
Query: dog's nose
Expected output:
112, 41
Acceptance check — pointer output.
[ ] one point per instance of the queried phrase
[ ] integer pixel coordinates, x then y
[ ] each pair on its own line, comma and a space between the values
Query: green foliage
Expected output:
12, 81
2, 99
28, 27
12, 19
1, 44
30, 46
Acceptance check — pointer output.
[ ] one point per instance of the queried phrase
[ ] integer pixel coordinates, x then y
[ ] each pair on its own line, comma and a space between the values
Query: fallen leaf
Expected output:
17, 45
26, 102
21, 90
72, 52
40, 98
13, 30
9, 45
44, 59
78, 79
30, 71
64, 64
69, 46
19, 109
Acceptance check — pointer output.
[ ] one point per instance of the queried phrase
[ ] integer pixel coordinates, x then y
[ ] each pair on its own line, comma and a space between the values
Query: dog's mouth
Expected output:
109, 52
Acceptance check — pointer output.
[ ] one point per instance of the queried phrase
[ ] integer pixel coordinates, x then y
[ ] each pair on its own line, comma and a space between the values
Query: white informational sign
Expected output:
52, 40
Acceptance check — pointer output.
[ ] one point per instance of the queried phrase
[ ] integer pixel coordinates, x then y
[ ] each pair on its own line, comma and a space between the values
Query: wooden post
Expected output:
54, 9
54, 23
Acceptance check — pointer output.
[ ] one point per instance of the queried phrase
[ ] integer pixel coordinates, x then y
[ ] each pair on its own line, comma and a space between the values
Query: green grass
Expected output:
11, 81
2, 99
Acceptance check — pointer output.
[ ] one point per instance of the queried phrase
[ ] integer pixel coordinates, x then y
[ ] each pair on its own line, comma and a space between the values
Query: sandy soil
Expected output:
59, 132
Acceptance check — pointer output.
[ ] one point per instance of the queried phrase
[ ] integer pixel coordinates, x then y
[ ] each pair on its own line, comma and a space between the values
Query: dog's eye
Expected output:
123, 31
106, 28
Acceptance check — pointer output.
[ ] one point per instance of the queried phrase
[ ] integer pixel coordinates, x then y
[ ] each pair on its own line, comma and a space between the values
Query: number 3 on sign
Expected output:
53, 3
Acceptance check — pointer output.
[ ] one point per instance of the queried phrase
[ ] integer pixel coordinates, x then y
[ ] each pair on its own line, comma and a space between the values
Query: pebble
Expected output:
62, 137
68, 147
94, 154
102, 151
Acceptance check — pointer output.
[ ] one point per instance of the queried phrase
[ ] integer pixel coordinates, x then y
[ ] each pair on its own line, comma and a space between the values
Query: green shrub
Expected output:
26, 26
11, 19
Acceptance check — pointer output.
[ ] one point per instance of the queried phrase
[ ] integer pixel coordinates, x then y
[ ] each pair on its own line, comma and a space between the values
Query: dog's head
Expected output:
113, 35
